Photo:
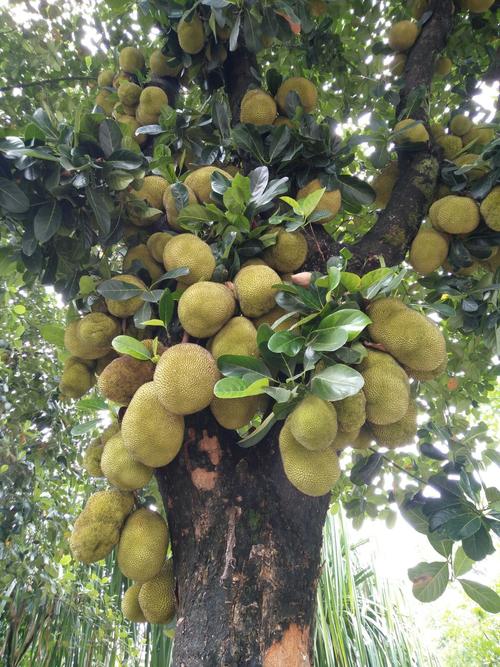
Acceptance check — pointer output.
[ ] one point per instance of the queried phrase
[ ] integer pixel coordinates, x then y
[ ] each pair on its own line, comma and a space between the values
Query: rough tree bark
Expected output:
246, 544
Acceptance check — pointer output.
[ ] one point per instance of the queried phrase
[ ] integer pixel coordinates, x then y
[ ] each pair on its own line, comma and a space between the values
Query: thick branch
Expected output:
46, 82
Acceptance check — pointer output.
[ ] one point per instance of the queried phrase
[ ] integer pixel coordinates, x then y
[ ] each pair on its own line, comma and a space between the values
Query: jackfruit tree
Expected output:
279, 306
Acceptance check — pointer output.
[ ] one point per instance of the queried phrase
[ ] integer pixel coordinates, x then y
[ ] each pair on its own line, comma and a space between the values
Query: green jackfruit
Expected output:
200, 182
126, 307
143, 545
305, 89
238, 336
157, 596
187, 250
131, 608
400, 433
428, 251
131, 60
313, 423
173, 206
386, 388
234, 413
351, 412
151, 434
490, 209
289, 252
144, 259
120, 468
331, 200
191, 35
122, 378
255, 291
204, 308
403, 35
90, 337
77, 378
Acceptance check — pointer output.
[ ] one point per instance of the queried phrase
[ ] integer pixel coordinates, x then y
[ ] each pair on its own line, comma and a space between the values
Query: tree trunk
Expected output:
246, 548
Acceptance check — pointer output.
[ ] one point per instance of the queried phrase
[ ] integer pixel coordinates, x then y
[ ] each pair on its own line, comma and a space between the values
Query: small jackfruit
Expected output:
351, 412
131, 608
386, 388
77, 378
258, 108
400, 433
152, 191
187, 250
174, 205
143, 545
90, 337
443, 66
157, 596
204, 308
200, 182
126, 307
305, 89
403, 35
289, 252
313, 473
141, 254
156, 244
330, 201
185, 378
131, 60
238, 336
384, 183
191, 35
234, 413
460, 125
490, 209
105, 78
313, 423
162, 65
455, 215
410, 132
151, 434
120, 468
122, 378
450, 144
428, 251
255, 291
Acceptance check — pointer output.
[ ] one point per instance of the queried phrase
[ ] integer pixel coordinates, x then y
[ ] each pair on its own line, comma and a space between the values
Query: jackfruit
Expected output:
490, 209
450, 144
131, 60
157, 596
106, 100
105, 78
403, 35
351, 412
204, 308
187, 250
234, 413
238, 336
305, 89
443, 66
313, 423
131, 609
141, 254
289, 252
173, 207
156, 244
455, 215
122, 378
275, 314
191, 35
413, 339
400, 433
77, 378
129, 93
386, 388
480, 135
152, 100
162, 65
313, 473
254, 289
384, 183
185, 378
428, 251
152, 191
120, 468
398, 64
90, 337
412, 135
477, 6
126, 307
200, 182
258, 108
151, 434
143, 545
460, 125
330, 201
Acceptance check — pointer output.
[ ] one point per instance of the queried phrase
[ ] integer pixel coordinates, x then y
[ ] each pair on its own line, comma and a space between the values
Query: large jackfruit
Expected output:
428, 251
400, 433
200, 182
143, 545
313, 473
351, 412
126, 307
306, 90
234, 413
131, 60
331, 200
187, 250
185, 378
455, 215
490, 209
386, 388
289, 252
410, 131
204, 308
173, 208
151, 434
191, 35
131, 608
258, 108
144, 258
313, 423
157, 596
384, 183
77, 378
90, 337
255, 291
156, 244
122, 378
120, 469
238, 336
403, 35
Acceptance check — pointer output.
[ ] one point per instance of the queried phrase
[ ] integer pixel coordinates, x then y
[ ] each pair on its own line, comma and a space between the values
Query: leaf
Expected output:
98, 204
461, 563
47, 221
132, 347
429, 580
239, 387
485, 597
54, 334
118, 290
365, 470
337, 382
12, 198
238, 365
286, 342
110, 136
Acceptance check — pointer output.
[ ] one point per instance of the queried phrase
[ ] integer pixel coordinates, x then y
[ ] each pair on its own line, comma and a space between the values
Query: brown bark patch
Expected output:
204, 480
211, 446
292, 650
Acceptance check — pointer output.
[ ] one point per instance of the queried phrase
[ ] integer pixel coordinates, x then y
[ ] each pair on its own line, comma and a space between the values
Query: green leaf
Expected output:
461, 563
12, 198
132, 347
337, 382
239, 387
47, 221
238, 365
54, 334
429, 580
286, 342
485, 597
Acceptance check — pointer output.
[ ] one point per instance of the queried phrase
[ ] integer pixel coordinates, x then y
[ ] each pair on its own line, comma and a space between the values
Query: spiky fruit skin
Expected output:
480, 135
413, 339
428, 251
161, 65
131, 608
258, 108
234, 413
384, 183
187, 250
238, 336
313, 423
105, 78
386, 388
255, 291
313, 473
171, 206
451, 145
185, 378
305, 89
129, 93
127, 307
477, 6
443, 66
490, 209
289, 252
119, 467
415, 134
191, 35
143, 545
403, 35
152, 191
400, 433
131, 60
141, 254
330, 201
157, 596
351, 412
76, 379
460, 125
151, 434
156, 244
122, 378
90, 337
200, 182
455, 215
204, 308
